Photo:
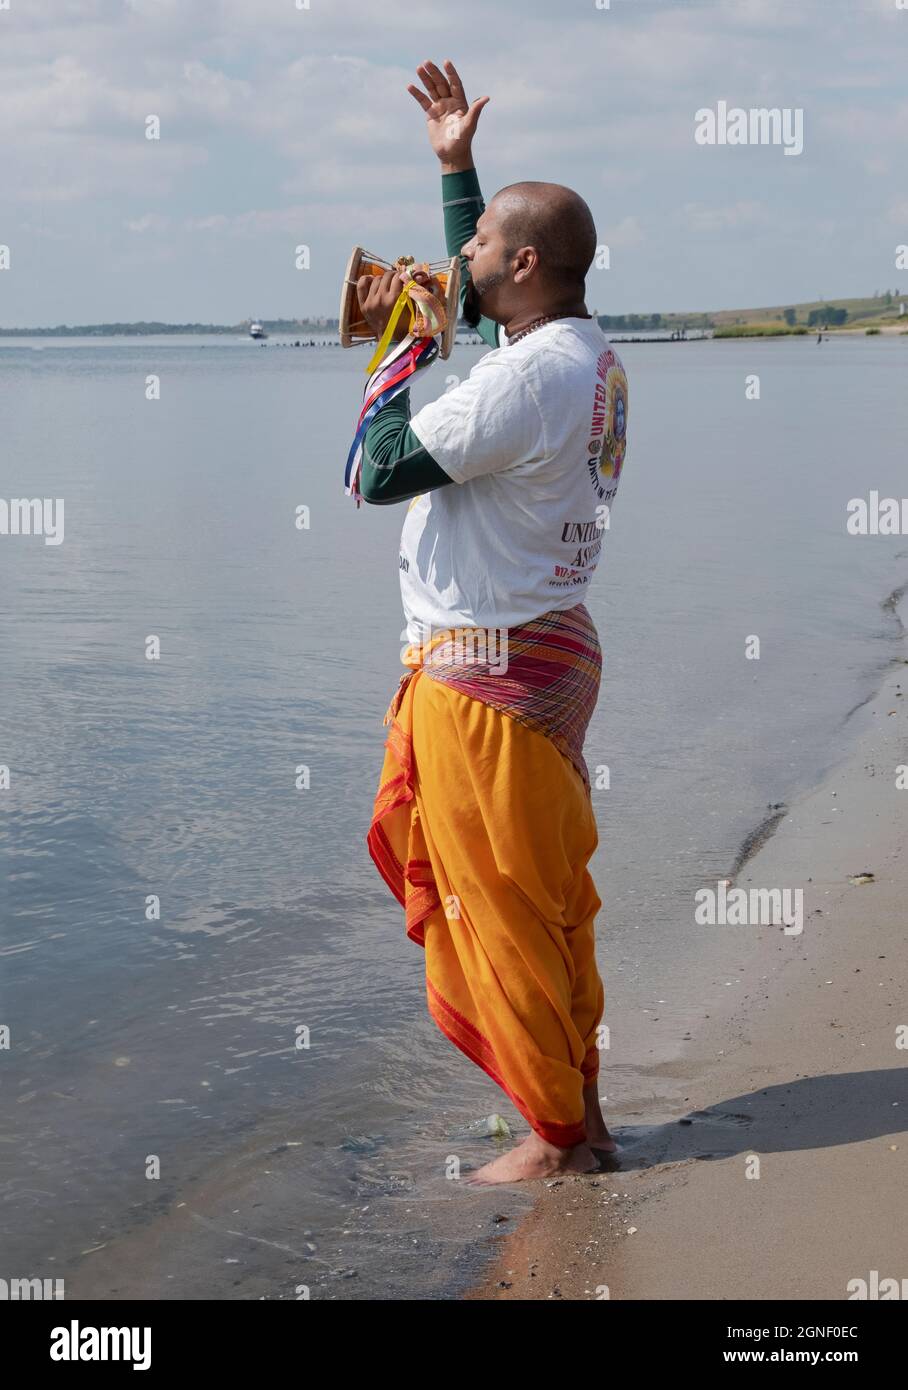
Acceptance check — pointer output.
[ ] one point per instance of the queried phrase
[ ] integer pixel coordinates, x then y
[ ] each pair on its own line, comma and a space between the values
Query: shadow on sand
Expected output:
808, 1113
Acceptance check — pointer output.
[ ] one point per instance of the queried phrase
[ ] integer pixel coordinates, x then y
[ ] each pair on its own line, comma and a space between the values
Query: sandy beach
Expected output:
796, 1067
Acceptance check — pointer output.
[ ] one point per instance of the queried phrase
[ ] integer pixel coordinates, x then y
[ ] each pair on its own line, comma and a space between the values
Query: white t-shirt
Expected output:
534, 440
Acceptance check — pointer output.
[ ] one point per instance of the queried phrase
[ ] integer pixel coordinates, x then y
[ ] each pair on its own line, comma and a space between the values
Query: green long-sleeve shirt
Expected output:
395, 465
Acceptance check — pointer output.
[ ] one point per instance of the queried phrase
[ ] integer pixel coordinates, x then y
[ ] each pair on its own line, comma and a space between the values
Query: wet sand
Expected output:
797, 1067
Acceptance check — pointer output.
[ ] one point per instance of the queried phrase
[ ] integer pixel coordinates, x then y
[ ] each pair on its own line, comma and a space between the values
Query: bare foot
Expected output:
597, 1135
601, 1141
534, 1158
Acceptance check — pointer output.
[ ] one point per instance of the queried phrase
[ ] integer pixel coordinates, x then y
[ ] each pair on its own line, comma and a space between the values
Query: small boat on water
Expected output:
257, 330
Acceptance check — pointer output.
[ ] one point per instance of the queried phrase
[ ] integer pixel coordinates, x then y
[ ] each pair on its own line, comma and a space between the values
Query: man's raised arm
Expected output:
451, 122
396, 466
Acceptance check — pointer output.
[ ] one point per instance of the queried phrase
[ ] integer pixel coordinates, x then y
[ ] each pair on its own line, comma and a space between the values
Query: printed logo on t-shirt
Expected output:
606, 449
585, 540
608, 431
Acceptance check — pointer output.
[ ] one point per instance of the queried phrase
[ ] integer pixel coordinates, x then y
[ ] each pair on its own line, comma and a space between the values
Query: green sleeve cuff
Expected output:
462, 188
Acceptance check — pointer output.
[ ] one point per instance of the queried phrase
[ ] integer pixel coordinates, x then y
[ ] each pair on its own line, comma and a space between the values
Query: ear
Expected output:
526, 264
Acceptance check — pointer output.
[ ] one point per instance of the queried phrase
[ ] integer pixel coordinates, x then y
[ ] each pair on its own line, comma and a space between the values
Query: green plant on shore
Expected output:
760, 330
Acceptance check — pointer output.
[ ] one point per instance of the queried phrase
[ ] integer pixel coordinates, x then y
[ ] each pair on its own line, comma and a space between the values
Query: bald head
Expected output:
529, 256
553, 219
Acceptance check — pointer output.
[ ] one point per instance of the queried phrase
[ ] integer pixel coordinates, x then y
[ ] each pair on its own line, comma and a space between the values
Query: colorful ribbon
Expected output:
390, 372
403, 300
392, 376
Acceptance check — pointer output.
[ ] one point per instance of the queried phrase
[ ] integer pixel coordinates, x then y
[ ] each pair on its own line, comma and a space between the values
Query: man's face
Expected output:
487, 256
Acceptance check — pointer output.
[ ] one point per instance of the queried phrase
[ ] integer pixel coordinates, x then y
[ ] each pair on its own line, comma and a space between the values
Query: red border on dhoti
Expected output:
472, 1044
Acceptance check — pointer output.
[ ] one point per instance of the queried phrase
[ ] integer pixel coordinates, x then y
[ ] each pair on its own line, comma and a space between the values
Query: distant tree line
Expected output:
827, 317
137, 330
638, 321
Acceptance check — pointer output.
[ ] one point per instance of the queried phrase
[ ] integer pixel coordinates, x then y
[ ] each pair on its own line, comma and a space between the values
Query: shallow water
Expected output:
175, 779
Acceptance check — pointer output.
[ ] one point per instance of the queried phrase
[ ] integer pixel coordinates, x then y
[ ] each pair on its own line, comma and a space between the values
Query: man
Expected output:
483, 824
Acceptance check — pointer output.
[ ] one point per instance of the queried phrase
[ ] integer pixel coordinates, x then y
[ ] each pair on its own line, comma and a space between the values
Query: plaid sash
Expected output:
545, 673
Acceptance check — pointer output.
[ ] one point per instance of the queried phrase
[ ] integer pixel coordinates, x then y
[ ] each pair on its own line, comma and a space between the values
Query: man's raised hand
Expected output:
450, 118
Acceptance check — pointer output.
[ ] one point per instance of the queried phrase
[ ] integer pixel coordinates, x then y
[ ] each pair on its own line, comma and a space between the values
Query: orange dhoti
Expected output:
483, 829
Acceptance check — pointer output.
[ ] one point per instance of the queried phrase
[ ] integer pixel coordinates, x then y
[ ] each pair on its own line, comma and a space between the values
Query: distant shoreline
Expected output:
886, 312
169, 330
328, 338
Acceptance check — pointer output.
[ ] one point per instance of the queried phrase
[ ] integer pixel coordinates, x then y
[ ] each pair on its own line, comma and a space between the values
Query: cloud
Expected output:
716, 219
624, 234
151, 222
279, 123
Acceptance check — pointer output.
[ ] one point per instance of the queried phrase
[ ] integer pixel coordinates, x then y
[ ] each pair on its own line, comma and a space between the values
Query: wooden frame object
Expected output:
354, 329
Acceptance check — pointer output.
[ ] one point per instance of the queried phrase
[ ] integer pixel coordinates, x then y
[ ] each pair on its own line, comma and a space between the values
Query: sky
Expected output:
283, 126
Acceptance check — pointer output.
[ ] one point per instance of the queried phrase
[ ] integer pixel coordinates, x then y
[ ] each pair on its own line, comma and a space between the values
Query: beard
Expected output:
472, 300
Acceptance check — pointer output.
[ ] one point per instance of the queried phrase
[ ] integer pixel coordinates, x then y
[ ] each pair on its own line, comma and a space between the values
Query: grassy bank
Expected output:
759, 330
